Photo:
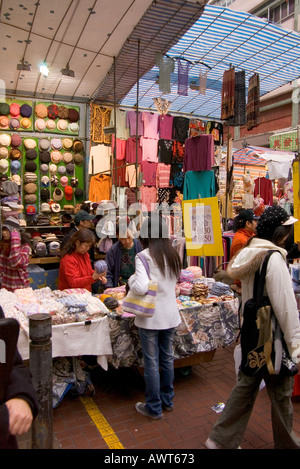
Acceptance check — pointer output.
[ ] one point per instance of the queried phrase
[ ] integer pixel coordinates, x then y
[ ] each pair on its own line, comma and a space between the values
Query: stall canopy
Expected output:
221, 38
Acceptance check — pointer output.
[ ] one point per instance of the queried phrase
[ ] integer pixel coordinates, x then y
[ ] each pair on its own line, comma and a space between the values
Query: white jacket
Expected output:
278, 287
166, 313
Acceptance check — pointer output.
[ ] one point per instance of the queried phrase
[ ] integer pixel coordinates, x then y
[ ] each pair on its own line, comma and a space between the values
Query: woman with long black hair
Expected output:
157, 333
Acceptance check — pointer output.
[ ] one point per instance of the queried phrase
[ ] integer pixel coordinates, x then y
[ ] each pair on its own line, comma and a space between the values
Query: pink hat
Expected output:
14, 110
64, 181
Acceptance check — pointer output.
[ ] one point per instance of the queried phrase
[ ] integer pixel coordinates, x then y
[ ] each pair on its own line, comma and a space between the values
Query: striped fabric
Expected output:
14, 265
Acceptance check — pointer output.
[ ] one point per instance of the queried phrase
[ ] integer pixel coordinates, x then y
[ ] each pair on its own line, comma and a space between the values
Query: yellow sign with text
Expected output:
296, 187
202, 227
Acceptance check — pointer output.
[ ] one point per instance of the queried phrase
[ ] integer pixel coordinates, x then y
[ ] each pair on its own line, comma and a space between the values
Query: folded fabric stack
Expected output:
186, 276
118, 293
199, 291
186, 288
220, 288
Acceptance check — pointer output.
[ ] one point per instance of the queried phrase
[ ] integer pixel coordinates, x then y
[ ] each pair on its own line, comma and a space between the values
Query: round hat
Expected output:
67, 143
30, 188
62, 112
44, 144
73, 115
14, 110
56, 156
30, 209
57, 194
62, 125
3, 166
45, 181
4, 109
67, 157
52, 111
62, 170
78, 193
16, 178
16, 140
15, 166
30, 166
55, 207
14, 123
5, 140
4, 121
31, 154
30, 198
40, 125
25, 110
29, 143
53, 168
56, 143
77, 146
78, 158
70, 168
45, 207
74, 182
44, 168
64, 181
45, 157
73, 127
45, 194
41, 110
54, 181
3, 152
50, 124
15, 154
25, 123
30, 177
68, 193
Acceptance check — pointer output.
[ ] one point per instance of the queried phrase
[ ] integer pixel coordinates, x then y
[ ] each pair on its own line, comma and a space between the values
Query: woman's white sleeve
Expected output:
139, 282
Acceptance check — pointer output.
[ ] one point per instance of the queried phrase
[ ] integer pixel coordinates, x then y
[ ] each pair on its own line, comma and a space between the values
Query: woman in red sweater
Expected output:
75, 269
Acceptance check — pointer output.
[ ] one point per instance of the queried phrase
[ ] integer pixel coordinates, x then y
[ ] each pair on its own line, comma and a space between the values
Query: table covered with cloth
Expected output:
203, 328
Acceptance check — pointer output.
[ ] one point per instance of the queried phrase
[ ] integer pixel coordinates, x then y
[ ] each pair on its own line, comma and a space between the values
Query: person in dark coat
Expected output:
19, 406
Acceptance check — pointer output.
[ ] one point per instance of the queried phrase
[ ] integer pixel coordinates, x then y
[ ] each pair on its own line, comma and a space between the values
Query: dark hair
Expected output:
83, 236
241, 219
154, 235
280, 233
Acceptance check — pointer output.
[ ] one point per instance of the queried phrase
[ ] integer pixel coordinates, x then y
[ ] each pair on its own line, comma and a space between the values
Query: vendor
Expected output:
83, 220
120, 258
75, 269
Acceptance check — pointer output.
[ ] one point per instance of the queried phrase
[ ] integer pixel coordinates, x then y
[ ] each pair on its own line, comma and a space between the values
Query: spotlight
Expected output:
44, 69
67, 72
24, 67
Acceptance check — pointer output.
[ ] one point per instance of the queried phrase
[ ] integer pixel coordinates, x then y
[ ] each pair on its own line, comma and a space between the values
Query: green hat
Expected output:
4, 109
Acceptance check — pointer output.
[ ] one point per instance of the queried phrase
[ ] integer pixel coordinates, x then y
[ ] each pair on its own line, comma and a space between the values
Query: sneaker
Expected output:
140, 407
167, 408
210, 444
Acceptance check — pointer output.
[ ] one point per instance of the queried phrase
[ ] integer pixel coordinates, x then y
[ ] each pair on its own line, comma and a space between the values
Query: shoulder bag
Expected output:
264, 350
141, 305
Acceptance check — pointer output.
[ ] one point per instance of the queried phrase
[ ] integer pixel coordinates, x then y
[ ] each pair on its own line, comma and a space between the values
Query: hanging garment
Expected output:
100, 188
199, 183
134, 122
228, 85
165, 151
149, 173
149, 197
216, 129
264, 189
120, 148
239, 117
99, 160
180, 128
178, 152
203, 80
130, 150
183, 76
196, 127
163, 175
150, 121
199, 153
119, 173
165, 126
177, 176
100, 119
253, 102
130, 175
121, 130
149, 149
166, 66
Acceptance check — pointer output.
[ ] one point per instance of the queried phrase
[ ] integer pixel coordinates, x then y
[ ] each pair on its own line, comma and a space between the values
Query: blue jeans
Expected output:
157, 348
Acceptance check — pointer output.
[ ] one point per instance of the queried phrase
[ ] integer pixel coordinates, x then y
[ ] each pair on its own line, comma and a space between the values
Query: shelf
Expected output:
38, 227
45, 260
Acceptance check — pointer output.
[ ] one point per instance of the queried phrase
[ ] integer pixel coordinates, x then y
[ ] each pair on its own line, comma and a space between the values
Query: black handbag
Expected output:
264, 350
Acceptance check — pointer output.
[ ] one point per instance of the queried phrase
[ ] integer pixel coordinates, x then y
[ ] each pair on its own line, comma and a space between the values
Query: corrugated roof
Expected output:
220, 38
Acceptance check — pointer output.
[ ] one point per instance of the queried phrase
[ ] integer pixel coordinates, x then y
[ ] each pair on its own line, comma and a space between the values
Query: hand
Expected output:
20, 416
103, 279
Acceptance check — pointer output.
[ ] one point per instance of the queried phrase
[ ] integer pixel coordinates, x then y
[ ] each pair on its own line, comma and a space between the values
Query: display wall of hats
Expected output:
30, 176
56, 118
16, 115
10, 156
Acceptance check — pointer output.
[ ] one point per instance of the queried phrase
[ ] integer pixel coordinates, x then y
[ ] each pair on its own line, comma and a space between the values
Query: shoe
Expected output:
140, 407
210, 444
167, 408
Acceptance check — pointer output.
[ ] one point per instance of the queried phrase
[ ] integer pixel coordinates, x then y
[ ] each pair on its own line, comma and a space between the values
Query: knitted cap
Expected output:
270, 219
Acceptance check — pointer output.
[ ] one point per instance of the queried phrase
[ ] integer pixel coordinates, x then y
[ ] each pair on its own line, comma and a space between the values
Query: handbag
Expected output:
141, 305
264, 350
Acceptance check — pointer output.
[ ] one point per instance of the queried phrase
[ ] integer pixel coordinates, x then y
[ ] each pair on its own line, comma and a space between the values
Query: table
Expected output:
202, 330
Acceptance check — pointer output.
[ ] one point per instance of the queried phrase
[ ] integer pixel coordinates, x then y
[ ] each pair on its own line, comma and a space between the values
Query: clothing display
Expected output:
253, 102
239, 117
199, 153
228, 89
166, 67
183, 76
199, 184
165, 126
264, 189
101, 119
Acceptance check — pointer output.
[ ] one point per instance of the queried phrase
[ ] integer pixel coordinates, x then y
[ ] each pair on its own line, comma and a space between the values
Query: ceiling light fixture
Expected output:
24, 67
44, 69
67, 72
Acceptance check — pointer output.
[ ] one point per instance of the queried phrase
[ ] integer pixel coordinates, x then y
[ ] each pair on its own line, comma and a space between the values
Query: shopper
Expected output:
272, 231
157, 333
83, 220
244, 226
120, 258
15, 254
19, 405
75, 269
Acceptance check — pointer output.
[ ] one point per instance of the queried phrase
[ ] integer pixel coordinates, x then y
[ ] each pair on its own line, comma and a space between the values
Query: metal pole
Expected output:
115, 132
40, 364
137, 120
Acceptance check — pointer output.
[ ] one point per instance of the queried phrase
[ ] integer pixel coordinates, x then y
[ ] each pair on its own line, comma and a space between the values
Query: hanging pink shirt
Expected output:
163, 175
150, 121
149, 149
165, 125
120, 148
149, 173
131, 122
199, 153
148, 197
130, 151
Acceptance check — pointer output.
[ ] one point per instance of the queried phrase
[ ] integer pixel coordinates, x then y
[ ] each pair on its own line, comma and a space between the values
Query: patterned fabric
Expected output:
100, 119
227, 108
253, 102
127, 264
239, 117
14, 264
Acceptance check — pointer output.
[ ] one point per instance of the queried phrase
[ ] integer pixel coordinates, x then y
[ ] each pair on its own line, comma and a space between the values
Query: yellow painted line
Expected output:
101, 423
